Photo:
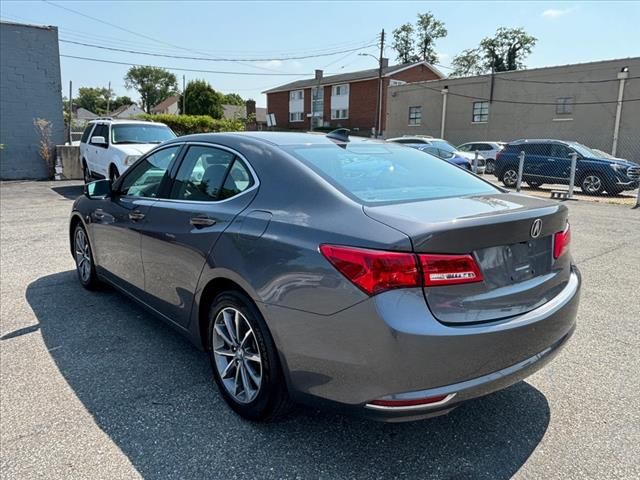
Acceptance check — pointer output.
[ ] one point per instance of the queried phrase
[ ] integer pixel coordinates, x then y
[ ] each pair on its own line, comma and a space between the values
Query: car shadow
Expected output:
151, 392
70, 192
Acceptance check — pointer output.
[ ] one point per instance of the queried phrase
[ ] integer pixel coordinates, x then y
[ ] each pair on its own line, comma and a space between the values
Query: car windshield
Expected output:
584, 151
377, 173
140, 133
443, 145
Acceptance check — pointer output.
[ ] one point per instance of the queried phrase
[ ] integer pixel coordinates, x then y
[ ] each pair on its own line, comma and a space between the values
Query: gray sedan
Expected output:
334, 270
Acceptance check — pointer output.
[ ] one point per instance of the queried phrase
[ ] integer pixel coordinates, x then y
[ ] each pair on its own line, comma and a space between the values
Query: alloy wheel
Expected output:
592, 184
510, 178
237, 356
83, 255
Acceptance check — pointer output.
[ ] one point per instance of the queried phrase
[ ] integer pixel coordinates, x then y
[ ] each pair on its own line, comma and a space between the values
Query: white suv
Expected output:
488, 150
108, 147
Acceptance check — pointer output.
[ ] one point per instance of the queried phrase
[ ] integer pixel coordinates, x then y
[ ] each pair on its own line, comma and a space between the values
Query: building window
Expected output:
415, 115
480, 112
339, 114
564, 105
296, 116
296, 95
339, 90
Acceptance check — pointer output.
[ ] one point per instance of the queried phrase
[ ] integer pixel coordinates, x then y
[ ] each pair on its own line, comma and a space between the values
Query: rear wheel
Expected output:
491, 166
244, 359
592, 184
510, 177
113, 173
84, 258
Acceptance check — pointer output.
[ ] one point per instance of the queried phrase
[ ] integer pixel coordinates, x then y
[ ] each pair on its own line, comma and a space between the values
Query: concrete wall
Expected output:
29, 89
535, 116
69, 158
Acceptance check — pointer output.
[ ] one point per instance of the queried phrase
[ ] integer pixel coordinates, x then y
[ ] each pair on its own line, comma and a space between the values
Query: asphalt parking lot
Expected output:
92, 386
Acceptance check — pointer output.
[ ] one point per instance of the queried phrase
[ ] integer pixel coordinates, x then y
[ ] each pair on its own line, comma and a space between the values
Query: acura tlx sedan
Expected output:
344, 271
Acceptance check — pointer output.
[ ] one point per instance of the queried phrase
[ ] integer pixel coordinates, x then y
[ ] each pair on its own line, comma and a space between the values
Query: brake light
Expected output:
449, 269
374, 271
561, 241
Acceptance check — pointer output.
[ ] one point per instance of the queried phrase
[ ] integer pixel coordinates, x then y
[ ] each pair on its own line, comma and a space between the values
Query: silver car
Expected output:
349, 272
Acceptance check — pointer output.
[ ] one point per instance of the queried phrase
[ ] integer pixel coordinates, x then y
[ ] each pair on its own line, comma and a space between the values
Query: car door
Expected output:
535, 160
98, 153
212, 185
560, 162
85, 145
116, 223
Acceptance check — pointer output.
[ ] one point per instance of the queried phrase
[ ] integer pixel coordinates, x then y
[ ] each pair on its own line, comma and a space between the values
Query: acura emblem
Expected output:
536, 228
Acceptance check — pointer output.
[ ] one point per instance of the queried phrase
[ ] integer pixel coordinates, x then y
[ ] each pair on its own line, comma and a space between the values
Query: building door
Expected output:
317, 107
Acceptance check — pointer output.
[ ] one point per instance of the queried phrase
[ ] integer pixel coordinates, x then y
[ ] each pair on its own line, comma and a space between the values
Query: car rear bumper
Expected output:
391, 347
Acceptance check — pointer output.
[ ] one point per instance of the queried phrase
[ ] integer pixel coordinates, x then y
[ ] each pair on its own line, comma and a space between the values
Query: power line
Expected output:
196, 70
138, 52
515, 102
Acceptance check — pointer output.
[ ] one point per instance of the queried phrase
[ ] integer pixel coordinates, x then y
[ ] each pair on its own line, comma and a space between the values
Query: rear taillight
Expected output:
561, 241
374, 271
449, 269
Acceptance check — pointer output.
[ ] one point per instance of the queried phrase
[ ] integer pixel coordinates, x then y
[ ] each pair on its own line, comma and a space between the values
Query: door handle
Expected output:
136, 215
202, 221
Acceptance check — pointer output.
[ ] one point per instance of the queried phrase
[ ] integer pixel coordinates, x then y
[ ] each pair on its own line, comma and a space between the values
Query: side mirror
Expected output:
98, 140
98, 189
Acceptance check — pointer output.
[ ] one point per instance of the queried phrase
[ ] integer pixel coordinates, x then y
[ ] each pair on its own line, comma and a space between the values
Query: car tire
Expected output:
534, 185
83, 255
510, 178
592, 184
113, 174
86, 173
244, 359
490, 166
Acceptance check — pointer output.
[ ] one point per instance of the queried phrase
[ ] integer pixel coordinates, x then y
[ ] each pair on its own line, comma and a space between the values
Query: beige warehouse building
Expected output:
595, 103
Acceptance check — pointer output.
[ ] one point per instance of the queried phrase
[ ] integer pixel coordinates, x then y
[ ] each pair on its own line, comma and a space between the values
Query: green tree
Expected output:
92, 99
118, 102
154, 84
429, 29
201, 99
503, 52
232, 99
403, 43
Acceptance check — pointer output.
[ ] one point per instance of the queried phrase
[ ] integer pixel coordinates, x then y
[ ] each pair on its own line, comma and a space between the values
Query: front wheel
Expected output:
244, 359
592, 184
86, 173
113, 174
510, 178
84, 259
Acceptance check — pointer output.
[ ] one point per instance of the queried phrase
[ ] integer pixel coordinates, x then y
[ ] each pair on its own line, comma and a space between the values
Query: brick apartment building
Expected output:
347, 100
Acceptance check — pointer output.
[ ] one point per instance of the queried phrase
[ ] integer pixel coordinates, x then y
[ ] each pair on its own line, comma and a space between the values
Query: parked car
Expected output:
108, 147
442, 154
347, 271
549, 161
442, 145
488, 150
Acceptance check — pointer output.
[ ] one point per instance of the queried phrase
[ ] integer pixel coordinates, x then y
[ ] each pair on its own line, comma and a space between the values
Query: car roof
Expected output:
123, 120
523, 141
276, 138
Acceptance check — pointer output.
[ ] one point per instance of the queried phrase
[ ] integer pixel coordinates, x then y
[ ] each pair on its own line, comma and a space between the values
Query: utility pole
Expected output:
184, 96
380, 90
70, 109
109, 99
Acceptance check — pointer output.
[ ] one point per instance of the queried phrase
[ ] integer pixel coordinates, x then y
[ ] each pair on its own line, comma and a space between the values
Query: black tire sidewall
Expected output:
272, 385
85, 172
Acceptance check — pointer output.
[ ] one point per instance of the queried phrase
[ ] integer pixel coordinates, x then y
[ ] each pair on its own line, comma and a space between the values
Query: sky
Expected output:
261, 37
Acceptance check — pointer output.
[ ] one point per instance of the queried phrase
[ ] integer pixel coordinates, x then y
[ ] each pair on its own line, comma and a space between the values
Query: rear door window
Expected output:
377, 173
145, 177
560, 151
541, 149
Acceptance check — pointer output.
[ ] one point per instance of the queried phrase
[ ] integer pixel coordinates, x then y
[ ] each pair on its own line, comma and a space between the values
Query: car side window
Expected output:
145, 177
238, 180
202, 174
85, 134
102, 130
541, 149
560, 151
465, 148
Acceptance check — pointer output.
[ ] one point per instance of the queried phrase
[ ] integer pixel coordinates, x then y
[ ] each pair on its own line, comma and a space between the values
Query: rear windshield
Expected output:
140, 133
377, 173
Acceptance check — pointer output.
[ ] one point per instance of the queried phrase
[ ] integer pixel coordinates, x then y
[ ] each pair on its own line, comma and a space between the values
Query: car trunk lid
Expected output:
517, 265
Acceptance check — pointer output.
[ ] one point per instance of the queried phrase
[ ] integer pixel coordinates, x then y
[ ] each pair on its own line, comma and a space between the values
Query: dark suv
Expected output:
549, 161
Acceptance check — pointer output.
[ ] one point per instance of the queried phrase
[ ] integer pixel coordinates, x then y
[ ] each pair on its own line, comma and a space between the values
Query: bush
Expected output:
187, 124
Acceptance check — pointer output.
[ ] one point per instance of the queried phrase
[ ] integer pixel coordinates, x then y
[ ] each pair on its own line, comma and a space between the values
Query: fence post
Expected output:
475, 162
572, 173
520, 170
